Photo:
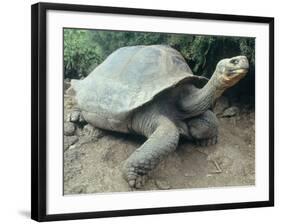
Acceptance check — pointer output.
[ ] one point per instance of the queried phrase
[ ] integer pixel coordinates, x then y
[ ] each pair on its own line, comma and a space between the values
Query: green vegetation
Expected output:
85, 49
80, 53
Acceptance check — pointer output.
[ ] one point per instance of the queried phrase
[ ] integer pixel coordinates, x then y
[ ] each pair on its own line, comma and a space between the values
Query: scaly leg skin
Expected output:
204, 129
160, 143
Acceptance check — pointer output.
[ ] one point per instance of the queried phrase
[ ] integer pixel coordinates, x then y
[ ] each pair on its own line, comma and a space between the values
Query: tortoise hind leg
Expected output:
203, 129
160, 143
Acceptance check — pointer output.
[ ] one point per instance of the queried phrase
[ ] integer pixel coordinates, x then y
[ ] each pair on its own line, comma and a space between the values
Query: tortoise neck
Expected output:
203, 99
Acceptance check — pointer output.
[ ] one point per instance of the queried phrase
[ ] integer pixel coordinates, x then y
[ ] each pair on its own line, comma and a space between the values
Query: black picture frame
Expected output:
39, 114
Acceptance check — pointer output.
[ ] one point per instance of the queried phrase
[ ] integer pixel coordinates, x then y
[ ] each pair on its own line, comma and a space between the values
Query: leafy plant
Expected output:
79, 53
85, 49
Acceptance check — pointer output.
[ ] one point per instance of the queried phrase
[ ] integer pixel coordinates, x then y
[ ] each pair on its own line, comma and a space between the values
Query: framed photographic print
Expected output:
139, 111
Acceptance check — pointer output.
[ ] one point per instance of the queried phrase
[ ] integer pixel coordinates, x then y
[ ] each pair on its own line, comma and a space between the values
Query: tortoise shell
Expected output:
129, 78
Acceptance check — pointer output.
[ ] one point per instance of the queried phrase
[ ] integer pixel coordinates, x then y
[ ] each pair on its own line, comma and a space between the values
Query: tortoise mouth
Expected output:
239, 71
234, 76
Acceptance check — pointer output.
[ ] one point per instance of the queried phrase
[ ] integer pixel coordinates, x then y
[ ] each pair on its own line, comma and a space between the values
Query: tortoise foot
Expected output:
207, 142
137, 182
135, 176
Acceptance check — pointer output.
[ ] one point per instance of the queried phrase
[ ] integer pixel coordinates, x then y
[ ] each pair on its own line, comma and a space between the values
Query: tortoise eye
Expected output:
234, 61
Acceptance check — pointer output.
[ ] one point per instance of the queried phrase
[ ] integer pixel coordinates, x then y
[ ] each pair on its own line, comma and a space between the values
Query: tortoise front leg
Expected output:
203, 129
159, 144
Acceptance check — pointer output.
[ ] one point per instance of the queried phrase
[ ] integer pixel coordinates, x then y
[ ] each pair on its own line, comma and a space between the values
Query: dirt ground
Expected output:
93, 159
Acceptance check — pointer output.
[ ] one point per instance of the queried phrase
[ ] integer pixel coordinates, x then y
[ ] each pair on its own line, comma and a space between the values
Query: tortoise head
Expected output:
230, 70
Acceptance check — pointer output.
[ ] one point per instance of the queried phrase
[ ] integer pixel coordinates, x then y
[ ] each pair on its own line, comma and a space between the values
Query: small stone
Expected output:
74, 116
190, 174
89, 134
72, 147
69, 140
231, 111
66, 84
162, 184
88, 129
221, 104
79, 189
79, 131
69, 128
81, 119
70, 91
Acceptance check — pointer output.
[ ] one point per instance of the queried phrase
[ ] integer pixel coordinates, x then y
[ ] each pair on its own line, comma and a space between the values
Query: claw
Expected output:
207, 142
135, 176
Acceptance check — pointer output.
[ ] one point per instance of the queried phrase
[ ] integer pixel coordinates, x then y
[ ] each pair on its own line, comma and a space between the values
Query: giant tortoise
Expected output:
151, 91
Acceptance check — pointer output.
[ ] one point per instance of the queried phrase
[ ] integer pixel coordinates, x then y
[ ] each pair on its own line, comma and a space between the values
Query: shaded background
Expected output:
85, 49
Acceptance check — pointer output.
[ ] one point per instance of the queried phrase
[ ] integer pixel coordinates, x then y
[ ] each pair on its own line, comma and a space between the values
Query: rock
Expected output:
231, 111
79, 189
81, 119
190, 174
69, 129
79, 131
221, 104
70, 91
74, 116
68, 141
162, 184
89, 134
66, 84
